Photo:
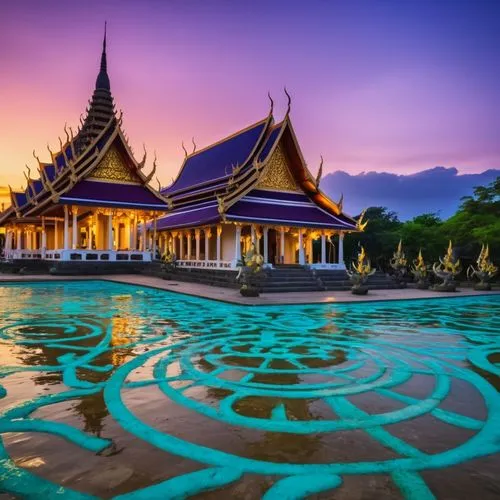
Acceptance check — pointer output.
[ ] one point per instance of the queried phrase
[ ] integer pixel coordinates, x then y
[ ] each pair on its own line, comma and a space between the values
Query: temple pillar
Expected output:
189, 238
66, 228
134, 233
252, 235
265, 230
341, 248
208, 234
323, 248
19, 240
309, 247
154, 237
110, 231
56, 234
219, 232
197, 239
282, 245
301, 248
237, 242
89, 234
44, 238
181, 245
74, 211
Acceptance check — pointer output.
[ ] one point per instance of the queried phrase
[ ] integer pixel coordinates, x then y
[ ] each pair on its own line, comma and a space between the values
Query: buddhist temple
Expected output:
91, 199
252, 187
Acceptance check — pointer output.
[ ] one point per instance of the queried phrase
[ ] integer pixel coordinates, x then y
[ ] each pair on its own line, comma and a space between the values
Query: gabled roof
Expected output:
235, 193
217, 161
63, 180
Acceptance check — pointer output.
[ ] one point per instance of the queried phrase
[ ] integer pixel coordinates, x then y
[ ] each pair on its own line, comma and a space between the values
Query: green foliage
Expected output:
477, 221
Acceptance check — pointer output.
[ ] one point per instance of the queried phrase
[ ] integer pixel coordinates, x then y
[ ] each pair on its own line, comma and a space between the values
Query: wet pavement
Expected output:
113, 390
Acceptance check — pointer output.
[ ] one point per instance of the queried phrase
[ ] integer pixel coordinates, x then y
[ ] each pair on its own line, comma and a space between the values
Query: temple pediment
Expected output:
277, 173
114, 168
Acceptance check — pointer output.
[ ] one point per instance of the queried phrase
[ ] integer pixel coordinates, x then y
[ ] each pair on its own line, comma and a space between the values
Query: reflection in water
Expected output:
289, 381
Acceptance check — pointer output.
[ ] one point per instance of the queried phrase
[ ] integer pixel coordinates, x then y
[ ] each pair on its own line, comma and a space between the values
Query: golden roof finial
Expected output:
360, 224
194, 145
320, 172
289, 101
272, 103
185, 150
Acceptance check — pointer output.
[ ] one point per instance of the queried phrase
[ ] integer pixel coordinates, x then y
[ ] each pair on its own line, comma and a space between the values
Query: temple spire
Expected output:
102, 81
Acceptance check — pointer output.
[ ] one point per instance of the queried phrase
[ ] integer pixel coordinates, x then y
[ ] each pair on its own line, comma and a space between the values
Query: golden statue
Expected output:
485, 269
359, 273
398, 263
250, 267
447, 268
420, 271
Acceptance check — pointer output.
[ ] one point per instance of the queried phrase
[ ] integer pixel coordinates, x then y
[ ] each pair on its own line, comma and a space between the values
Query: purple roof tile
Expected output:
112, 194
267, 212
216, 161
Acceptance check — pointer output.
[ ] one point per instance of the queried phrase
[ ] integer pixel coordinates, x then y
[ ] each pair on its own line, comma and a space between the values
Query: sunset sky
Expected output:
395, 86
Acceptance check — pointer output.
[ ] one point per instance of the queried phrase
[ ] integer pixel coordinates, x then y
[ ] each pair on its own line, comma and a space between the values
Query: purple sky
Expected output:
396, 86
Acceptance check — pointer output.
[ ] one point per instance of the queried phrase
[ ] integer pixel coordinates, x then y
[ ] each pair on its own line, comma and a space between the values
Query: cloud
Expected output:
438, 189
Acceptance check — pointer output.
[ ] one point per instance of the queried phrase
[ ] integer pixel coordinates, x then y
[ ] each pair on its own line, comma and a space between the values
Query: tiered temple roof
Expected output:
256, 175
94, 167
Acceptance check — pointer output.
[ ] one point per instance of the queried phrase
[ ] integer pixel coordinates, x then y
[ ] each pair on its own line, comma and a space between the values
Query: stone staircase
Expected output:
296, 278
290, 278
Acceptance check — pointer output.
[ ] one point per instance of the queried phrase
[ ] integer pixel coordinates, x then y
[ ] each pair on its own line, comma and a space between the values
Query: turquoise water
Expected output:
117, 391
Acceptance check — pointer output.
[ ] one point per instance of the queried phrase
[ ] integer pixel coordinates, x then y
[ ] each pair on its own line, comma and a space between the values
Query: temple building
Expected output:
252, 188
90, 201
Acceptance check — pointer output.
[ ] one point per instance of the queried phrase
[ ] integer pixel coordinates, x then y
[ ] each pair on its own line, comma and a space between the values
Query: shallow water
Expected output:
115, 390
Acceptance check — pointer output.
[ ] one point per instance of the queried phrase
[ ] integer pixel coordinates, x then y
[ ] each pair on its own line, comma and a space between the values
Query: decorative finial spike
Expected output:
185, 150
194, 145
272, 103
289, 101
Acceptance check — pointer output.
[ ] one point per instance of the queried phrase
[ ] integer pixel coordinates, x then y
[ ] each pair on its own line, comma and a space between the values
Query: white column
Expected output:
66, 228
208, 233
44, 238
110, 231
301, 248
309, 246
154, 237
181, 245
74, 211
134, 234
89, 235
237, 243
323, 248
189, 238
341, 248
56, 234
19, 242
197, 238
219, 232
34, 244
266, 239
282, 245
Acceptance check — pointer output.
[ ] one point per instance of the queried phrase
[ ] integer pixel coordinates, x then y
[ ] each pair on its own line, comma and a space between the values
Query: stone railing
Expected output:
206, 264
81, 255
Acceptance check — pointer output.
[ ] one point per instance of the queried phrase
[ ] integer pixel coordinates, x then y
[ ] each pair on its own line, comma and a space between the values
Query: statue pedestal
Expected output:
359, 290
443, 287
482, 287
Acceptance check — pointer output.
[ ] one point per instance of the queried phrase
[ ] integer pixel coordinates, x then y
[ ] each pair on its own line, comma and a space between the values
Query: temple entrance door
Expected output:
272, 246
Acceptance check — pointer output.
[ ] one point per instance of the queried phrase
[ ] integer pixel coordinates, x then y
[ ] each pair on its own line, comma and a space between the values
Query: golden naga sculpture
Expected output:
420, 271
360, 225
359, 273
398, 262
168, 261
484, 271
249, 268
447, 268
320, 173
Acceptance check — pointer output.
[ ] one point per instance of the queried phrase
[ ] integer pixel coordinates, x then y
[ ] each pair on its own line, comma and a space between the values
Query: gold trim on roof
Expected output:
277, 175
113, 168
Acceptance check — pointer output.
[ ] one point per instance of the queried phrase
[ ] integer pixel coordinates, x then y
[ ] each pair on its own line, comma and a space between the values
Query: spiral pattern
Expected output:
105, 338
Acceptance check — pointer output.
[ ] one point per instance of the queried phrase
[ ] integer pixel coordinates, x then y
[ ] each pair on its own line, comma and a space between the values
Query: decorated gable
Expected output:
277, 173
114, 168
